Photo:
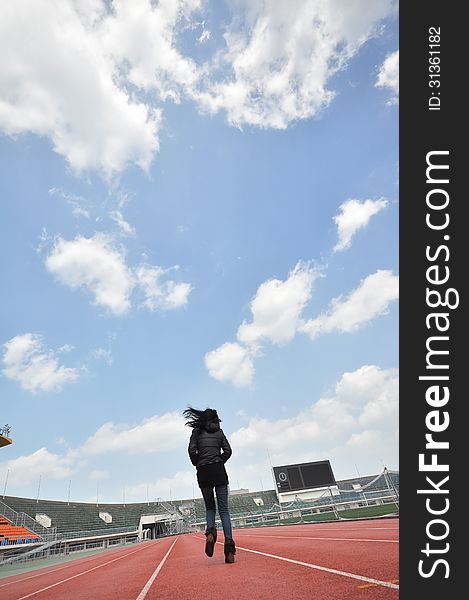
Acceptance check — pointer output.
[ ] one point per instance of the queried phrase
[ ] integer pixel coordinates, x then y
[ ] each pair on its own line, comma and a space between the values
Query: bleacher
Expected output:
369, 489
240, 504
14, 534
84, 516
363, 482
244, 503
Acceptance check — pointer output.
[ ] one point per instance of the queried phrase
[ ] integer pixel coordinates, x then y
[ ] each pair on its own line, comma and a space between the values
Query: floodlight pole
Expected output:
333, 505
365, 498
391, 485
6, 482
38, 489
68, 495
363, 493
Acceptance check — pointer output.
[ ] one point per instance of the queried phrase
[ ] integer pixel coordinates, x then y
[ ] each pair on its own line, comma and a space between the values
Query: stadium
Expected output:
300, 532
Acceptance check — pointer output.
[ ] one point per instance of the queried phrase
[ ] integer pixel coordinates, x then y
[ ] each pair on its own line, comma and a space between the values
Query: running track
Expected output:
347, 561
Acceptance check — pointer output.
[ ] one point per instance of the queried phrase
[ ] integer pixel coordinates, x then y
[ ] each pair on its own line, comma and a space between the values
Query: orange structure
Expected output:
11, 534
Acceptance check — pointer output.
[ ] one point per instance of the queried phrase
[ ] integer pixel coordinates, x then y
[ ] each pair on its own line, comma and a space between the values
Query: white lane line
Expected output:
320, 568
71, 563
316, 528
149, 583
302, 537
80, 574
326, 569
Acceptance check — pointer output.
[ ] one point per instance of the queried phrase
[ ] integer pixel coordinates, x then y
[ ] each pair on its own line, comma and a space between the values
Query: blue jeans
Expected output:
222, 501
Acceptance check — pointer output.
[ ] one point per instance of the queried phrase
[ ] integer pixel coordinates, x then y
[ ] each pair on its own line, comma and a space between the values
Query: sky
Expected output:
198, 206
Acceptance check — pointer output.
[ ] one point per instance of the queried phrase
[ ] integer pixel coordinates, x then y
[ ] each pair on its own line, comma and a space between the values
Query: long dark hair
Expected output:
197, 419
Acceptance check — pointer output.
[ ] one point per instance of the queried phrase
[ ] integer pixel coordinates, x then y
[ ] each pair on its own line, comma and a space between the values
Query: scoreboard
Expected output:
304, 476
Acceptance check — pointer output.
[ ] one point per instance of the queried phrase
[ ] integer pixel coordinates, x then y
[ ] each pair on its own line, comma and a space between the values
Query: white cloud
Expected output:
370, 300
373, 391
77, 203
103, 354
180, 486
162, 294
354, 422
388, 76
65, 348
204, 36
277, 306
366, 439
157, 434
59, 80
34, 367
96, 265
98, 475
231, 362
361, 410
26, 469
125, 228
276, 310
92, 76
320, 423
44, 241
355, 215
141, 37
281, 56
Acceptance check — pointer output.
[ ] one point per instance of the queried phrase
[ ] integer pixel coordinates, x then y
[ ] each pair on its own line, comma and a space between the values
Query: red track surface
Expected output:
347, 561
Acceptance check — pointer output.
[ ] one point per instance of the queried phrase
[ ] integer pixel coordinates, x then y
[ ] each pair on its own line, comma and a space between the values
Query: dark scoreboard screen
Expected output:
304, 476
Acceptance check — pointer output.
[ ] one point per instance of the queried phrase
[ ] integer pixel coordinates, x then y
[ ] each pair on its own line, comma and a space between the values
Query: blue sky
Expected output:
198, 206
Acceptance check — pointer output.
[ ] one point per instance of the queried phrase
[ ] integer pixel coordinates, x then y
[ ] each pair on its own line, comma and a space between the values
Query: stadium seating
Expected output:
74, 517
239, 504
83, 516
14, 534
244, 503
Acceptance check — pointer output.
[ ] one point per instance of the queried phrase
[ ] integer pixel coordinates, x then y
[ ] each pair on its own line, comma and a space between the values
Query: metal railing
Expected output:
73, 535
42, 551
24, 520
168, 506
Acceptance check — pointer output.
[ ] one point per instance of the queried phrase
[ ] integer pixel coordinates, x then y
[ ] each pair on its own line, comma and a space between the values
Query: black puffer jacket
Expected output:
209, 445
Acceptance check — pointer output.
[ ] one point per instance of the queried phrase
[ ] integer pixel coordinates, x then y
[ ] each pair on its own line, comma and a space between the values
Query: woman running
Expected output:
209, 450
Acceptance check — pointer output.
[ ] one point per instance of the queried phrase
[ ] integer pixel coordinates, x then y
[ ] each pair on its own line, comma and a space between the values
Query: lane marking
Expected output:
149, 583
80, 574
326, 569
71, 563
368, 585
307, 528
302, 537
321, 568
